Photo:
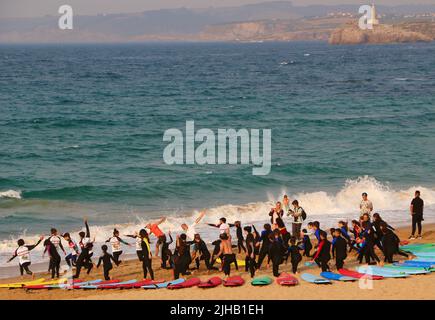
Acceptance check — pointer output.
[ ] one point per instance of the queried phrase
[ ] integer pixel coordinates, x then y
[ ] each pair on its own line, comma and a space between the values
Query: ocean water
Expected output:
81, 130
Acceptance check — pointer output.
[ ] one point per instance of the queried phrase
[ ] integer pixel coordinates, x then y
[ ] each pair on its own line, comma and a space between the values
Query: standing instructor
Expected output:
416, 210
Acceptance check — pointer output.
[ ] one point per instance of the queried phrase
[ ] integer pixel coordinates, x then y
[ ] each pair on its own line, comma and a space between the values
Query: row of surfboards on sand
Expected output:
424, 263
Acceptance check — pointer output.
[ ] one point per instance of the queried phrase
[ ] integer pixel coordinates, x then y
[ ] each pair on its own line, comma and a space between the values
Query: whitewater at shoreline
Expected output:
393, 205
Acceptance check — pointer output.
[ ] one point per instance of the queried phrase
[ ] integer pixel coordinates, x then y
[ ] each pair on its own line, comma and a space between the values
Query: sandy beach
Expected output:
414, 287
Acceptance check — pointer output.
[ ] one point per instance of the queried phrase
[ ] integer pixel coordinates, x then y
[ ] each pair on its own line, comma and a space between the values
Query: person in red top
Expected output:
323, 253
160, 235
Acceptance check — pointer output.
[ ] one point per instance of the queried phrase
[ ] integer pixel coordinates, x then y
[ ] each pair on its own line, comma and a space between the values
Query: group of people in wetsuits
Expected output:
274, 242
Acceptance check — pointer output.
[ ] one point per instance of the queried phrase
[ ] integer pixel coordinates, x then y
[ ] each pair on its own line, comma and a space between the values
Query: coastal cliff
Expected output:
409, 32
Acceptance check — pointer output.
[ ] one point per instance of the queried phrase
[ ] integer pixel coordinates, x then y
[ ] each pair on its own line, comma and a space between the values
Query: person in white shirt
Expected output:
297, 214
189, 230
366, 206
23, 254
222, 225
115, 242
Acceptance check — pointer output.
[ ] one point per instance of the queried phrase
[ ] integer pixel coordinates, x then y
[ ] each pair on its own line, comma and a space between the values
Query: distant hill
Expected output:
184, 23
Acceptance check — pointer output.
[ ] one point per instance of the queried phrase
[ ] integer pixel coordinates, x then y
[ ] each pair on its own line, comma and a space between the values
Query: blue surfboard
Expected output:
314, 279
336, 276
386, 273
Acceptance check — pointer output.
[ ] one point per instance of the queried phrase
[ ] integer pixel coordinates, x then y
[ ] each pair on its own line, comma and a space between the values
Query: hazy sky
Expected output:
30, 8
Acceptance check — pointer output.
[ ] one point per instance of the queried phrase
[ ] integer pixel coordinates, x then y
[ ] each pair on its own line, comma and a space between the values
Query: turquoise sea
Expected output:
81, 130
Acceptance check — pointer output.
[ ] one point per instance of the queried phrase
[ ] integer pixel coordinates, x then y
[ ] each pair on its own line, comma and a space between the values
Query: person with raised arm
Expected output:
23, 254
190, 230
86, 245
158, 233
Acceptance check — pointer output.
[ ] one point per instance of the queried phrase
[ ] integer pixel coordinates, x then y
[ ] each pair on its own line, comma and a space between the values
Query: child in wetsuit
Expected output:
306, 244
71, 258
106, 258
204, 253
390, 243
250, 251
23, 254
146, 254
54, 264
339, 249
322, 255
295, 255
276, 251
239, 234
264, 244
115, 241
86, 245
167, 253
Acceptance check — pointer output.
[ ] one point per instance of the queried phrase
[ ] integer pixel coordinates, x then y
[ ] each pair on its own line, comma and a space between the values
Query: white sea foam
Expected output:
325, 207
13, 194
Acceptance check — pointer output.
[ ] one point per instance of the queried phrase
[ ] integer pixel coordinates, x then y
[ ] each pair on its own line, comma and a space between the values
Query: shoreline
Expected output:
414, 287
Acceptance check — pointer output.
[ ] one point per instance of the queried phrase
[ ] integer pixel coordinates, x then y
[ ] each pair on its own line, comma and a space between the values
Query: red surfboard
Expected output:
286, 279
235, 281
211, 283
354, 274
186, 284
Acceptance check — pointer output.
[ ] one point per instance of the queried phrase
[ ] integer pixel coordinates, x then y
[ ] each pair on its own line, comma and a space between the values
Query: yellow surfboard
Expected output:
21, 284
240, 263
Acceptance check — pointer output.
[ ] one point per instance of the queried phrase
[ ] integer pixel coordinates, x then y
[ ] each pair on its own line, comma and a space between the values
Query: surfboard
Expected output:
21, 284
45, 283
116, 285
163, 284
211, 283
261, 281
336, 276
139, 284
96, 286
358, 275
66, 285
311, 278
192, 282
416, 263
382, 272
286, 279
407, 270
240, 263
235, 281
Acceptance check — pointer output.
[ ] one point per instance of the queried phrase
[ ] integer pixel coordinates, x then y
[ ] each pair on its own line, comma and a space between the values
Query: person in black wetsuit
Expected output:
390, 242
86, 245
416, 209
339, 249
146, 254
182, 256
239, 234
295, 255
276, 251
264, 244
167, 253
322, 255
54, 264
203, 252
378, 234
306, 244
23, 254
106, 258
368, 244
250, 251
